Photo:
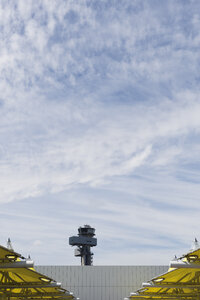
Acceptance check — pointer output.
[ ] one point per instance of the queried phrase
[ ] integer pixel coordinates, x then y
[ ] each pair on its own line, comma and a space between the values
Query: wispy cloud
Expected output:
100, 123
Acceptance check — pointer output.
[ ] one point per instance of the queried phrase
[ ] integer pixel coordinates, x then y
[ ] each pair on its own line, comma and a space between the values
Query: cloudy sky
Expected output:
100, 125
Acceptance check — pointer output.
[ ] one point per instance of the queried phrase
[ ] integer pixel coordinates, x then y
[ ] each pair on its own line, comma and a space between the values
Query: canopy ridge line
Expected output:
7, 277
25, 285
8, 293
197, 277
182, 265
4, 276
182, 285
174, 293
19, 277
184, 276
17, 264
167, 297
47, 298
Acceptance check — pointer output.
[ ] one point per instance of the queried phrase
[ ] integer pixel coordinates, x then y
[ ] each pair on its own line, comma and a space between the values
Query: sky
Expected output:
100, 125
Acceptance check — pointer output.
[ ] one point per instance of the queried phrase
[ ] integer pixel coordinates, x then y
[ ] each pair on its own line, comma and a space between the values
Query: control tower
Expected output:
84, 241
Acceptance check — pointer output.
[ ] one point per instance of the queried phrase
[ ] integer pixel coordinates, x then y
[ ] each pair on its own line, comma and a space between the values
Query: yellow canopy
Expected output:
7, 255
182, 281
19, 280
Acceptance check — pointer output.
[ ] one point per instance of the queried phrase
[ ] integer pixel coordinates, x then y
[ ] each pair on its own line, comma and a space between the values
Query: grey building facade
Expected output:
102, 282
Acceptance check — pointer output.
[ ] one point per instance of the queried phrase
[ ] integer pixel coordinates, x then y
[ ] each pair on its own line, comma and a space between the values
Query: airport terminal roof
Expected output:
182, 281
19, 280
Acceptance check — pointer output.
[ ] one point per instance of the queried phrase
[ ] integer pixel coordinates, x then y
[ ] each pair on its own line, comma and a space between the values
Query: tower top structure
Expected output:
84, 241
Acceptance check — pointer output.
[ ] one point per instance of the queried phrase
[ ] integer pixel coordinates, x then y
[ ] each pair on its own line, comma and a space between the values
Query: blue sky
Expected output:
100, 125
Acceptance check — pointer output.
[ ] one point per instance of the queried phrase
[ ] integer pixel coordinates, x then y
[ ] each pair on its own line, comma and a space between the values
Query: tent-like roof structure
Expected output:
20, 281
182, 281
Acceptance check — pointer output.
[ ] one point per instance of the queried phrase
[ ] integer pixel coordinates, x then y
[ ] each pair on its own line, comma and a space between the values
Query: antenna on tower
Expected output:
9, 245
84, 241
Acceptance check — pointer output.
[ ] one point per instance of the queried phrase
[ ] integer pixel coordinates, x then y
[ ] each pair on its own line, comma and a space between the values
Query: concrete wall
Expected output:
102, 282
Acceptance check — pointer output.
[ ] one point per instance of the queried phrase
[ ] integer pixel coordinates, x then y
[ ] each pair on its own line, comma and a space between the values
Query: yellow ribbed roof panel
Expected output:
179, 276
182, 282
8, 255
20, 283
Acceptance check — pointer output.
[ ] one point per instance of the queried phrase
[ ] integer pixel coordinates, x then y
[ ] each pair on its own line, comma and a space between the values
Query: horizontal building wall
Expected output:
102, 282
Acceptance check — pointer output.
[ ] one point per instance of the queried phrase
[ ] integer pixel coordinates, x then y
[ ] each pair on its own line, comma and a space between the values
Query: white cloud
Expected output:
104, 97
66, 147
